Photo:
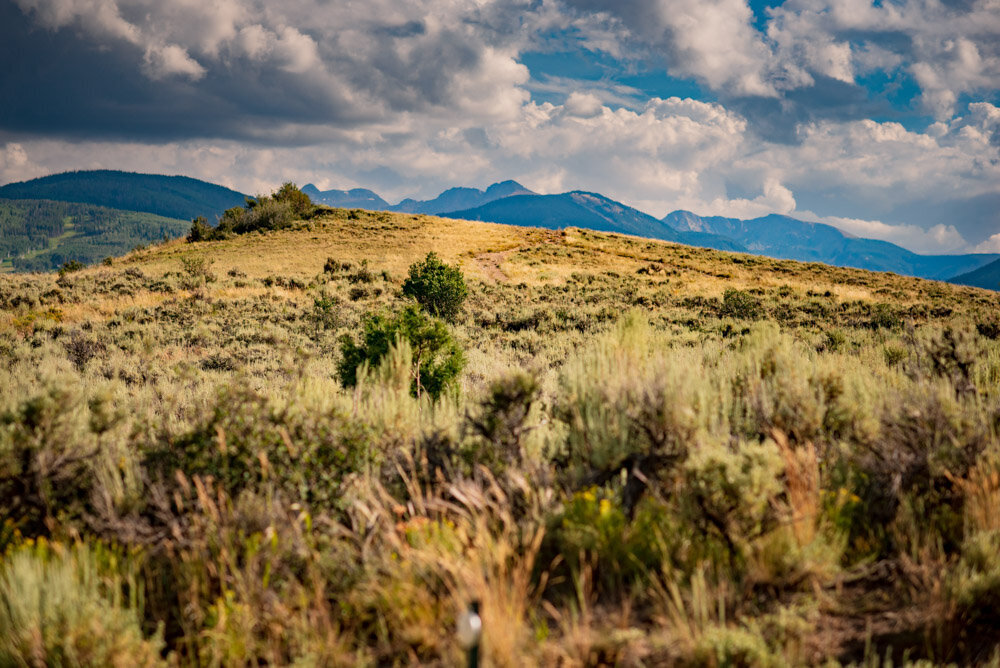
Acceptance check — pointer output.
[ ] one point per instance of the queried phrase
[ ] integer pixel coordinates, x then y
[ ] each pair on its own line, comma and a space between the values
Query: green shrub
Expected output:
364, 274
264, 215
438, 287
835, 339
70, 266
989, 329
502, 421
894, 354
883, 316
245, 441
740, 304
326, 311
437, 358
261, 214
62, 606
625, 550
49, 457
297, 200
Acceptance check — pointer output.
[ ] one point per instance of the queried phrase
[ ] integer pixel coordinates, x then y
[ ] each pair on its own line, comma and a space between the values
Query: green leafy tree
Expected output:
299, 202
437, 358
438, 287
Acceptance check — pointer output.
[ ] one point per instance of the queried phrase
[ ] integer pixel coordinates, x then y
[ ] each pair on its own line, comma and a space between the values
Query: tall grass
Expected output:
635, 468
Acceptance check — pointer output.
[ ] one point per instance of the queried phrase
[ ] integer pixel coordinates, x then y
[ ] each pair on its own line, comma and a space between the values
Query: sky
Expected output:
882, 118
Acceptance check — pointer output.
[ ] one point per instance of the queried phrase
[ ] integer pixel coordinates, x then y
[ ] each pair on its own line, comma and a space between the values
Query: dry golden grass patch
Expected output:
490, 253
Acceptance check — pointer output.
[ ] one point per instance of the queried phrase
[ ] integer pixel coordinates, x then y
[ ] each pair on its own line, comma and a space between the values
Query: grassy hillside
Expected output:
656, 455
169, 196
40, 235
588, 210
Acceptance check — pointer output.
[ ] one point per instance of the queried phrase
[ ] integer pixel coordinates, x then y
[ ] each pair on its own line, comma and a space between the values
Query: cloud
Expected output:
160, 62
938, 239
672, 154
712, 41
583, 105
414, 96
775, 198
354, 63
14, 163
991, 245
949, 48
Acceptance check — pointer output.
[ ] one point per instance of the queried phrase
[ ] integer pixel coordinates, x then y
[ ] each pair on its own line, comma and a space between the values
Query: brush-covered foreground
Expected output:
656, 455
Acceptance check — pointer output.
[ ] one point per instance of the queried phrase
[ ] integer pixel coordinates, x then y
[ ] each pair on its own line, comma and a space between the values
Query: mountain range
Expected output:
452, 199
357, 198
792, 239
773, 235
510, 203
588, 210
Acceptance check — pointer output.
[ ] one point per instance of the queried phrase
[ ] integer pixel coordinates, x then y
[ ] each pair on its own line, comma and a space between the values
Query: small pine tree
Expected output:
200, 230
438, 287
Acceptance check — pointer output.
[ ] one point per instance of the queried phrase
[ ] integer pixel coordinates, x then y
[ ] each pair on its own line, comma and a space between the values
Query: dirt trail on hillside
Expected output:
490, 264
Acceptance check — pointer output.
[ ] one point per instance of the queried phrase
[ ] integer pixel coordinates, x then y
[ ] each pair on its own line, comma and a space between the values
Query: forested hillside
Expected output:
170, 196
40, 235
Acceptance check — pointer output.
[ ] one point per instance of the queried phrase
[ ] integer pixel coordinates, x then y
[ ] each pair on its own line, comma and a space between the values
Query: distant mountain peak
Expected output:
781, 236
462, 198
507, 189
355, 198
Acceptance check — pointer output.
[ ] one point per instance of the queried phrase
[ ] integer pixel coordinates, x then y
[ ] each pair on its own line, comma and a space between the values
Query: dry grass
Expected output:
688, 485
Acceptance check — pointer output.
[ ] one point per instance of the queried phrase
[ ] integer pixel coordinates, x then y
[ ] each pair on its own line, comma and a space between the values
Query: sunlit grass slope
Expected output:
656, 455
506, 254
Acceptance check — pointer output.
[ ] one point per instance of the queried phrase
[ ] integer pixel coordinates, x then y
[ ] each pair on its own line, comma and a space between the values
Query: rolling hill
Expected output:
789, 238
588, 210
987, 276
178, 197
41, 235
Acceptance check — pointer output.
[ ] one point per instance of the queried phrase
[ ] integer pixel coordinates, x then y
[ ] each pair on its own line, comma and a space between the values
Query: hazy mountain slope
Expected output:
587, 210
178, 197
455, 199
793, 239
987, 276
356, 198
40, 235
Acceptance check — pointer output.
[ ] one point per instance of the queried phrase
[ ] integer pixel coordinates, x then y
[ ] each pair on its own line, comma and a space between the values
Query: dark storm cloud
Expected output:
63, 83
254, 73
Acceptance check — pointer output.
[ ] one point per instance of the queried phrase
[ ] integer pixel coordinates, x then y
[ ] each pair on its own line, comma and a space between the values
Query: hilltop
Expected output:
654, 454
773, 235
177, 197
510, 203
